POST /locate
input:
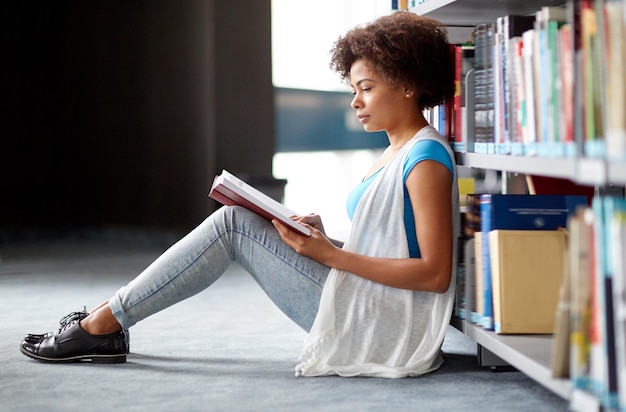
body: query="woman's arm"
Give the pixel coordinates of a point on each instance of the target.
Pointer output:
(429, 186)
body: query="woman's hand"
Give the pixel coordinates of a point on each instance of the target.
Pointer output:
(312, 220)
(317, 246)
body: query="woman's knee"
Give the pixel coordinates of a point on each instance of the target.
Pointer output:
(236, 218)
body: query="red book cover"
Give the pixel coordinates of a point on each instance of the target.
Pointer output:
(458, 95)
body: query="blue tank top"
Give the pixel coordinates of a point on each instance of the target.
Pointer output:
(426, 149)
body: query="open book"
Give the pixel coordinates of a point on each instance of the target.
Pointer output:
(230, 191)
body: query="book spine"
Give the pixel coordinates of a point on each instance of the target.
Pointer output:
(539, 51)
(566, 59)
(464, 61)
(513, 27)
(609, 398)
(580, 226)
(458, 97)
(598, 330)
(518, 97)
(483, 89)
(471, 226)
(593, 144)
(499, 130)
(615, 21)
(479, 308)
(554, 82)
(545, 88)
(487, 320)
(618, 245)
(530, 127)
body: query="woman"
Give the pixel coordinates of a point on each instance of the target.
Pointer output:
(378, 306)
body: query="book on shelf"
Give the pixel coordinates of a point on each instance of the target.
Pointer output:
(547, 23)
(529, 60)
(615, 68)
(527, 269)
(517, 96)
(518, 212)
(466, 187)
(566, 92)
(507, 28)
(483, 89)
(464, 62)
(554, 89)
(591, 105)
(560, 345)
(470, 223)
(617, 242)
(468, 290)
(603, 356)
(580, 240)
(232, 191)
(574, 17)
(466, 293)
(479, 308)
(597, 359)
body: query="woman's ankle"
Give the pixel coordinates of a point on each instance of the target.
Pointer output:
(101, 322)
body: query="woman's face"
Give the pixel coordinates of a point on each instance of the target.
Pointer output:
(378, 106)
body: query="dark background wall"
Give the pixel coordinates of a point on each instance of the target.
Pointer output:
(119, 113)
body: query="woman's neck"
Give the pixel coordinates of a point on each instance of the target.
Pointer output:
(398, 138)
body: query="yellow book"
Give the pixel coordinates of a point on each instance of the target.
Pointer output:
(467, 185)
(527, 270)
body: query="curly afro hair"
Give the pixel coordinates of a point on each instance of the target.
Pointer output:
(405, 49)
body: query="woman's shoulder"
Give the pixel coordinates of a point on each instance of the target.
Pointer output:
(429, 141)
(430, 145)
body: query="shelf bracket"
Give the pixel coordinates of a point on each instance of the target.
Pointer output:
(486, 358)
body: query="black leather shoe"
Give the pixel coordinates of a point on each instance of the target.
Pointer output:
(67, 319)
(72, 344)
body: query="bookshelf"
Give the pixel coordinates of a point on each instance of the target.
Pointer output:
(587, 171)
(529, 354)
(472, 12)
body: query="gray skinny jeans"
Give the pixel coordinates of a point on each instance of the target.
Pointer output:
(232, 234)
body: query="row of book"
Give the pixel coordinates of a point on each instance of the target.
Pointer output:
(552, 264)
(548, 84)
(589, 346)
(500, 233)
(405, 4)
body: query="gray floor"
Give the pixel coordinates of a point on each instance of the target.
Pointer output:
(227, 349)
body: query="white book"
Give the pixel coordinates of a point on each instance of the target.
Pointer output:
(530, 129)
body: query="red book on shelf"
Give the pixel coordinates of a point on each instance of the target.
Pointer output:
(464, 62)
(232, 191)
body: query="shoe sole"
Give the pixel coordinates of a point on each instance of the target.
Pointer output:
(107, 359)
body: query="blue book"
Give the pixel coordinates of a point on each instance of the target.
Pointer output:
(519, 212)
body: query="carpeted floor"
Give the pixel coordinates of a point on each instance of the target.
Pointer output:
(226, 349)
